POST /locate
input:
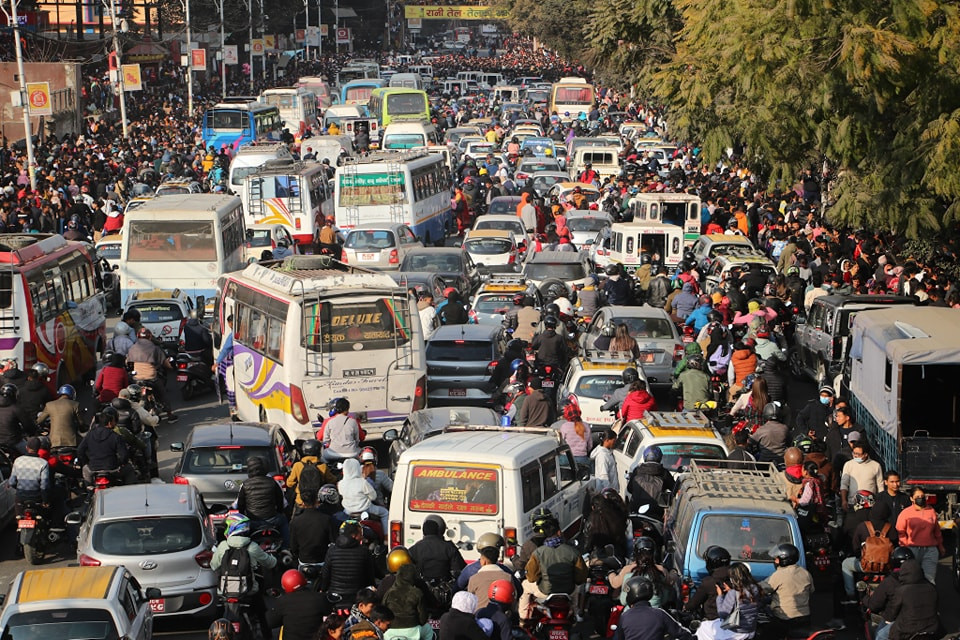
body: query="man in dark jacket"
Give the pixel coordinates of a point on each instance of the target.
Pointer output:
(648, 482)
(197, 339)
(640, 621)
(310, 532)
(913, 607)
(891, 501)
(459, 622)
(814, 418)
(550, 346)
(34, 394)
(718, 563)
(882, 596)
(299, 613)
(349, 566)
(436, 557)
(261, 499)
(537, 410)
(102, 449)
(12, 421)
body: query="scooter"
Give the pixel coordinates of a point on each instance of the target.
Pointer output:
(599, 599)
(194, 375)
(553, 618)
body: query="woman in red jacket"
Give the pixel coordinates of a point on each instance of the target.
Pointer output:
(637, 402)
(112, 378)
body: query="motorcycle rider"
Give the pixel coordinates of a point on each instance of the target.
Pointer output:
(772, 437)
(490, 570)
(349, 565)
(436, 557)
(486, 540)
(790, 587)
(31, 476)
(148, 360)
(555, 567)
(34, 394)
(629, 376)
(588, 297)
(112, 377)
(537, 409)
(64, 416)
(197, 339)
(640, 621)
(527, 320)
(341, 433)
(882, 596)
(718, 565)
(261, 499)
(311, 532)
(645, 566)
(127, 423)
(378, 478)
(134, 393)
(309, 454)
(238, 536)
(617, 288)
(357, 495)
(102, 449)
(299, 611)
(500, 598)
(12, 421)
(504, 368)
(551, 347)
(694, 383)
(648, 482)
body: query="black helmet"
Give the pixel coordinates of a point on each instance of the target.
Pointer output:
(545, 523)
(696, 362)
(644, 258)
(638, 590)
(310, 448)
(714, 316)
(716, 556)
(771, 411)
(107, 415)
(786, 553)
(612, 269)
(255, 466)
(120, 404)
(689, 256)
(644, 544)
(9, 392)
(899, 556)
(550, 322)
(136, 392)
(630, 375)
(516, 344)
(552, 309)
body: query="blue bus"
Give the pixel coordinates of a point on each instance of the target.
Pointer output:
(237, 124)
(358, 91)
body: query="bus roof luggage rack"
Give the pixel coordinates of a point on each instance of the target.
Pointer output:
(676, 420)
(506, 278)
(308, 265)
(387, 156)
(25, 247)
(736, 479)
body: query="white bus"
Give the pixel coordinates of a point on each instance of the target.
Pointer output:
(412, 188)
(298, 108)
(181, 242)
(296, 195)
(679, 209)
(311, 329)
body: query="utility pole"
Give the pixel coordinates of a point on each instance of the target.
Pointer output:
(119, 71)
(306, 29)
(250, 41)
(223, 46)
(24, 98)
(189, 64)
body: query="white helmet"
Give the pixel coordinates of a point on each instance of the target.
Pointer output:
(566, 307)
(121, 328)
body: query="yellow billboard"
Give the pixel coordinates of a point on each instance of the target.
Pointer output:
(434, 12)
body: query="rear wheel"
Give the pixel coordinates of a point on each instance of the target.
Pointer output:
(31, 554)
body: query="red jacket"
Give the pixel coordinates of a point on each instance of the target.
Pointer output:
(636, 405)
(110, 381)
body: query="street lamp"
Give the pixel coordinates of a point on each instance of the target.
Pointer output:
(24, 98)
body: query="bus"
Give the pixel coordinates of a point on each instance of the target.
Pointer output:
(357, 71)
(393, 103)
(296, 195)
(679, 209)
(310, 329)
(408, 187)
(182, 242)
(52, 305)
(570, 97)
(358, 91)
(298, 108)
(236, 124)
(320, 89)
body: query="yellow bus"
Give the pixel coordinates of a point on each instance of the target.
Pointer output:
(387, 104)
(570, 97)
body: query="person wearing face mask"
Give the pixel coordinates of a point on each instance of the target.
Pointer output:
(919, 529)
(860, 474)
(814, 417)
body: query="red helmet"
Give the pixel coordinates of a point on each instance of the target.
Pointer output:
(448, 291)
(292, 580)
(502, 591)
(369, 454)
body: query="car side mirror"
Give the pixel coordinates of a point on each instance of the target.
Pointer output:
(176, 446)
(390, 435)
(153, 593)
(583, 472)
(73, 518)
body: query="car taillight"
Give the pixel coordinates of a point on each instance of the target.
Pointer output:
(396, 533)
(420, 394)
(510, 538)
(296, 224)
(102, 482)
(203, 558)
(513, 257)
(601, 252)
(522, 176)
(343, 256)
(180, 480)
(677, 352)
(394, 257)
(492, 366)
(298, 408)
(685, 591)
(87, 561)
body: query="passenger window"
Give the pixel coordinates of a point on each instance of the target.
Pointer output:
(633, 446)
(568, 467)
(128, 602)
(549, 465)
(530, 486)
(620, 444)
(828, 319)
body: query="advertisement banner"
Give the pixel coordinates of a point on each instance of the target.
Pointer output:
(300, 35)
(414, 24)
(198, 59)
(38, 93)
(343, 35)
(257, 46)
(230, 54)
(324, 30)
(269, 42)
(313, 36)
(434, 12)
(132, 79)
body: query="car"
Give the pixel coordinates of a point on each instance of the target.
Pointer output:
(426, 423)
(103, 603)
(540, 147)
(584, 225)
(453, 135)
(504, 222)
(178, 187)
(265, 237)
(213, 457)
(379, 245)
(421, 281)
(460, 360)
(495, 297)
(164, 312)
(564, 191)
(163, 535)
(555, 273)
(108, 248)
(501, 205)
(452, 263)
(136, 203)
(528, 167)
(543, 181)
(681, 435)
(600, 250)
(477, 149)
(733, 264)
(657, 337)
(708, 247)
(466, 140)
(590, 381)
(493, 251)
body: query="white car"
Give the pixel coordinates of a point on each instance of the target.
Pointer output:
(503, 222)
(266, 237)
(584, 224)
(163, 311)
(495, 250)
(591, 380)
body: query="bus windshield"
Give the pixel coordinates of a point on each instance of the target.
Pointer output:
(280, 100)
(404, 141)
(399, 104)
(227, 119)
(353, 326)
(574, 95)
(171, 241)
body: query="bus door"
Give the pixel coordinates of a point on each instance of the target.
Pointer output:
(653, 242)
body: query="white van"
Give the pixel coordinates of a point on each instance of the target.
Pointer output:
(629, 240)
(604, 160)
(457, 86)
(338, 112)
(486, 479)
(407, 80)
(400, 136)
(330, 147)
(250, 158)
(507, 93)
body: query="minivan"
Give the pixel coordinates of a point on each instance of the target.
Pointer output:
(408, 80)
(250, 158)
(604, 161)
(483, 479)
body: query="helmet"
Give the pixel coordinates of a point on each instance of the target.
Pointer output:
(369, 454)
(715, 316)
(696, 362)
(793, 271)
(10, 392)
(552, 309)
(67, 390)
(771, 411)
(803, 442)
(792, 456)
(609, 329)
(292, 580)
(630, 375)
(544, 522)
(676, 284)
(42, 370)
(282, 243)
(863, 500)
(438, 520)
(644, 258)
(653, 454)
(716, 556)
(398, 557)
(107, 415)
(517, 363)
(448, 291)
(136, 392)
(516, 344)
(786, 553)
(502, 591)
(638, 590)
(899, 556)
(644, 544)
(310, 448)
(220, 629)
(237, 525)
(328, 493)
(550, 322)
(612, 269)
(490, 540)
(611, 494)
(564, 306)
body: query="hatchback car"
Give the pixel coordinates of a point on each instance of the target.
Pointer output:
(379, 246)
(585, 224)
(261, 237)
(590, 382)
(543, 181)
(163, 535)
(504, 222)
(656, 335)
(734, 265)
(425, 423)
(527, 168)
(454, 265)
(108, 248)
(178, 188)
(493, 251)
(163, 311)
(495, 297)
(460, 360)
(501, 205)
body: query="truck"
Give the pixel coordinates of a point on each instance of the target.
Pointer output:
(903, 372)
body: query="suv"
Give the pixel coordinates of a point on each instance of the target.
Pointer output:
(460, 360)
(708, 247)
(178, 187)
(164, 312)
(495, 297)
(822, 341)
(590, 381)
(555, 273)
(741, 507)
(735, 262)
(427, 423)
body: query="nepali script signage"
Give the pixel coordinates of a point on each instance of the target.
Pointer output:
(429, 12)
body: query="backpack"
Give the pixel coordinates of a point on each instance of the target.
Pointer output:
(311, 479)
(876, 550)
(236, 572)
(645, 489)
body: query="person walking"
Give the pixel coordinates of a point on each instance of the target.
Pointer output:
(919, 529)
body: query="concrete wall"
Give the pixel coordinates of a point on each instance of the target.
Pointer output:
(66, 83)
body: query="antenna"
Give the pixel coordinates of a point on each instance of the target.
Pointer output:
(146, 497)
(231, 431)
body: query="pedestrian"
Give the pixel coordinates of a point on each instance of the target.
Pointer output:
(919, 529)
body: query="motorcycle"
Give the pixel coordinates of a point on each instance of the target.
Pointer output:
(246, 624)
(598, 600)
(553, 617)
(817, 547)
(106, 479)
(35, 531)
(550, 376)
(194, 375)
(270, 540)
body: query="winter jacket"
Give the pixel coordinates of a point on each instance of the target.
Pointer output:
(299, 613)
(659, 290)
(260, 498)
(537, 411)
(293, 480)
(744, 362)
(706, 593)
(771, 439)
(258, 557)
(551, 348)
(458, 625)
(913, 607)
(64, 415)
(695, 385)
(110, 381)
(636, 405)
(436, 558)
(790, 588)
(644, 622)
(102, 450)
(34, 394)
(12, 425)
(348, 568)
(749, 609)
(556, 569)
(776, 383)
(356, 493)
(698, 317)
(882, 596)
(647, 483)
(685, 302)
(406, 600)
(310, 534)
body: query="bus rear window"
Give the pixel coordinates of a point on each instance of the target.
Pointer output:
(355, 326)
(573, 95)
(174, 241)
(406, 104)
(446, 488)
(360, 94)
(371, 189)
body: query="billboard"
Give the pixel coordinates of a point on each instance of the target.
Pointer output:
(434, 12)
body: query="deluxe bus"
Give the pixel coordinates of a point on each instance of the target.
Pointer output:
(357, 71)
(357, 92)
(235, 125)
(311, 329)
(52, 305)
(570, 97)
(296, 195)
(184, 242)
(412, 188)
(298, 108)
(394, 103)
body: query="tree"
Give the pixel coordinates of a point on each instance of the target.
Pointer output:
(559, 24)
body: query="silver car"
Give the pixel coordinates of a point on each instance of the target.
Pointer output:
(460, 359)
(162, 534)
(379, 245)
(425, 423)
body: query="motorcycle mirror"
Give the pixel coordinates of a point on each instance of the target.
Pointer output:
(176, 446)
(73, 518)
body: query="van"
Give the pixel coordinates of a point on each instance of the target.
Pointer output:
(250, 158)
(483, 479)
(399, 136)
(425, 71)
(336, 113)
(506, 93)
(455, 87)
(630, 240)
(330, 147)
(604, 160)
(408, 80)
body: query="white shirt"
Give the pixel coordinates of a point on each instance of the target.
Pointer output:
(428, 321)
(605, 469)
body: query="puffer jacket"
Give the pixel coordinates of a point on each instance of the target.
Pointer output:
(34, 394)
(406, 600)
(744, 362)
(685, 302)
(348, 568)
(260, 498)
(913, 607)
(636, 405)
(110, 381)
(437, 558)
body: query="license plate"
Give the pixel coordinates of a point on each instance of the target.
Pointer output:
(548, 384)
(369, 257)
(599, 589)
(181, 377)
(27, 524)
(559, 634)
(457, 393)
(158, 605)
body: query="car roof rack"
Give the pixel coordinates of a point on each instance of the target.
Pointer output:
(540, 431)
(505, 278)
(737, 479)
(676, 420)
(599, 356)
